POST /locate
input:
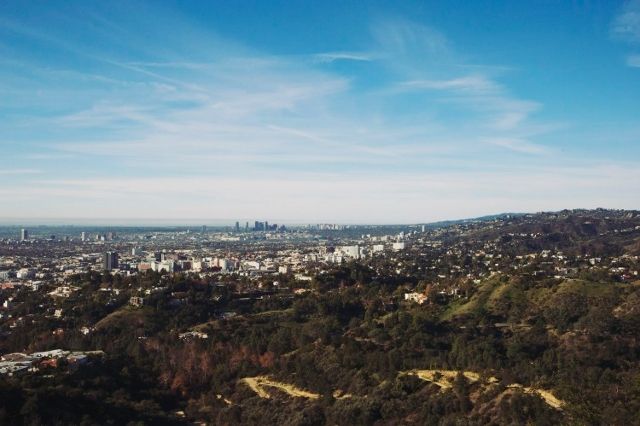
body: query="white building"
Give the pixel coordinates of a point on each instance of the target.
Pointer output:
(26, 273)
(250, 264)
(351, 251)
(418, 298)
(398, 246)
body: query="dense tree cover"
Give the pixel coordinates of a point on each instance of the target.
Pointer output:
(350, 339)
(111, 391)
(577, 338)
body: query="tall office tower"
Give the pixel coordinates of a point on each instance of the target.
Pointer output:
(110, 261)
(237, 226)
(83, 236)
(204, 229)
(423, 228)
(266, 225)
(246, 227)
(24, 235)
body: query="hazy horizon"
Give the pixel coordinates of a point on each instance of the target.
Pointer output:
(125, 222)
(158, 222)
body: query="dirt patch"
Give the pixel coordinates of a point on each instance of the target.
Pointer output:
(445, 378)
(259, 383)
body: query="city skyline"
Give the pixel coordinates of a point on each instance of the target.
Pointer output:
(177, 112)
(81, 225)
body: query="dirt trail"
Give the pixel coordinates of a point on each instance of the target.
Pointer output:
(257, 384)
(444, 379)
(548, 397)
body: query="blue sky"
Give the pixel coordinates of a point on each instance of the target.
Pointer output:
(305, 111)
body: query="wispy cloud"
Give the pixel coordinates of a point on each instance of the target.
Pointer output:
(342, 56)
(484, 95)
(187, 65)
(519, 145)
(633, 61)
(230, 131)
(475, 84)
(426, 62)
(401, 37)
(19, 171)
(626, 25)
(48, 156)
(242, 99)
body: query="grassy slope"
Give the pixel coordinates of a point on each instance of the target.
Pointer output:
(487, 292)
(492, 291)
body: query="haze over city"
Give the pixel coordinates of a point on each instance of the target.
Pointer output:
(173, 112)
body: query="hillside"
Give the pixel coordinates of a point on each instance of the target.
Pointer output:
(531, 319)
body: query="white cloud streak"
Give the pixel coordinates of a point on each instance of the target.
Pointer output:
(7, 172)
(474, 84)
(329, 57)
(519, 145)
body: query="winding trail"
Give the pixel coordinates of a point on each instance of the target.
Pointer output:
(444, 379)
(257, 384)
